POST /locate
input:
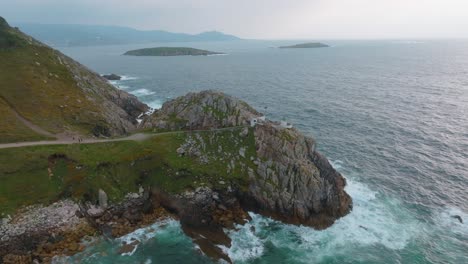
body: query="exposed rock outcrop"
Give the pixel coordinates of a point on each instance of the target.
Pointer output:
(39, 233)
(294, 182)
(118, 108)
(203, 110)
(290, 181)
(112, 77)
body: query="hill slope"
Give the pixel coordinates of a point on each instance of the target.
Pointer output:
(42, 86)
(83, 35)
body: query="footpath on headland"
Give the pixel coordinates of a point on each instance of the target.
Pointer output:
(134, 137)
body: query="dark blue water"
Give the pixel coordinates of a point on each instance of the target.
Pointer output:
(391, 115)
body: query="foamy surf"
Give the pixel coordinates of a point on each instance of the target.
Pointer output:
(127, 78)
(375, 221)
(142, 92)
(156, 104)
(142, 235)
(452, 219)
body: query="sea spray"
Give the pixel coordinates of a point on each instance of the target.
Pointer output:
(377, 221)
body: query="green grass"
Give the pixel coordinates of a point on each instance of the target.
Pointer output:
(43, 174)
(42, 90)
(12, 129)
(37, 83)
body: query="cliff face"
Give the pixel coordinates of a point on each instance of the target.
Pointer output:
(50, 90)
(293, 182)
(288, 180)
(204, 110)
(118, 108)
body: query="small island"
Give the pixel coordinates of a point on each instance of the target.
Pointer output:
(170, 51)
(306, 46)
(112, 77)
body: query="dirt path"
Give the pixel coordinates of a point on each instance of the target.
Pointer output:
(134, 137)
(26, 122)
(32, 126)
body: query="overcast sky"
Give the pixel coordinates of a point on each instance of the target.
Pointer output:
(259, 19)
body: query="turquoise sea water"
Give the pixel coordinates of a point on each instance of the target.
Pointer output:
(392, 116)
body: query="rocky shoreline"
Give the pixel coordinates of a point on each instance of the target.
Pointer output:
(266, 167)
(37, 234)
(216, 158)
(41, 234)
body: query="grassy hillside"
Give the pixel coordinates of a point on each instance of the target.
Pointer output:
(55, 93)
(43, 174)
(42, 90)
(12, 129)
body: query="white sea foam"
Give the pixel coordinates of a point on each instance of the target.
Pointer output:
(142, 92)
(145, 234)
(127, 78)
(118, 85)
(374, 220)
(245, 244)
(445, 220)
(156, 104)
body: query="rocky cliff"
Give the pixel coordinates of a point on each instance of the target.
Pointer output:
(288, 180)
(293, 182)
(204, 110)
(42, 87)
(208, 174)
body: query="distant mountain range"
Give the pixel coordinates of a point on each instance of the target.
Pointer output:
(88, 35)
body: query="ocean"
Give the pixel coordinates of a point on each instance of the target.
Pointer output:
(391, 116)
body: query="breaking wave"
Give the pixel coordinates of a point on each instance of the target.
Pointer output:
(375, 221)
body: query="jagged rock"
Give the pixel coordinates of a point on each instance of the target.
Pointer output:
(95, 211)
(112, 77)
(242, 152)
(290, 181)
(102, 199)
(204, 110)
(306, 189)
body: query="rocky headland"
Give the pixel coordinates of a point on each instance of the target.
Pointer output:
(267, 168)
(206, 159)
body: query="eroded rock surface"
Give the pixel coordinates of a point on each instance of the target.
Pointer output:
(293, 182)
(203, 110)
(289, 180)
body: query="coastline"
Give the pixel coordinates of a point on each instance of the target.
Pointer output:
(37, 234)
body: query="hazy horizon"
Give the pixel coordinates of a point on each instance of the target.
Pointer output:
(261, 19)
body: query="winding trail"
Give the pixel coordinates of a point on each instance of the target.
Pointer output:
(134, 137)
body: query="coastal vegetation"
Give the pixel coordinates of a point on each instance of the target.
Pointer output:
(206, 158)
(170, 51)
(45, 174)
(48, 89)
(309, 45)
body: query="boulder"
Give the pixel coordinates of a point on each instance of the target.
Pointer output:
(102, 199)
